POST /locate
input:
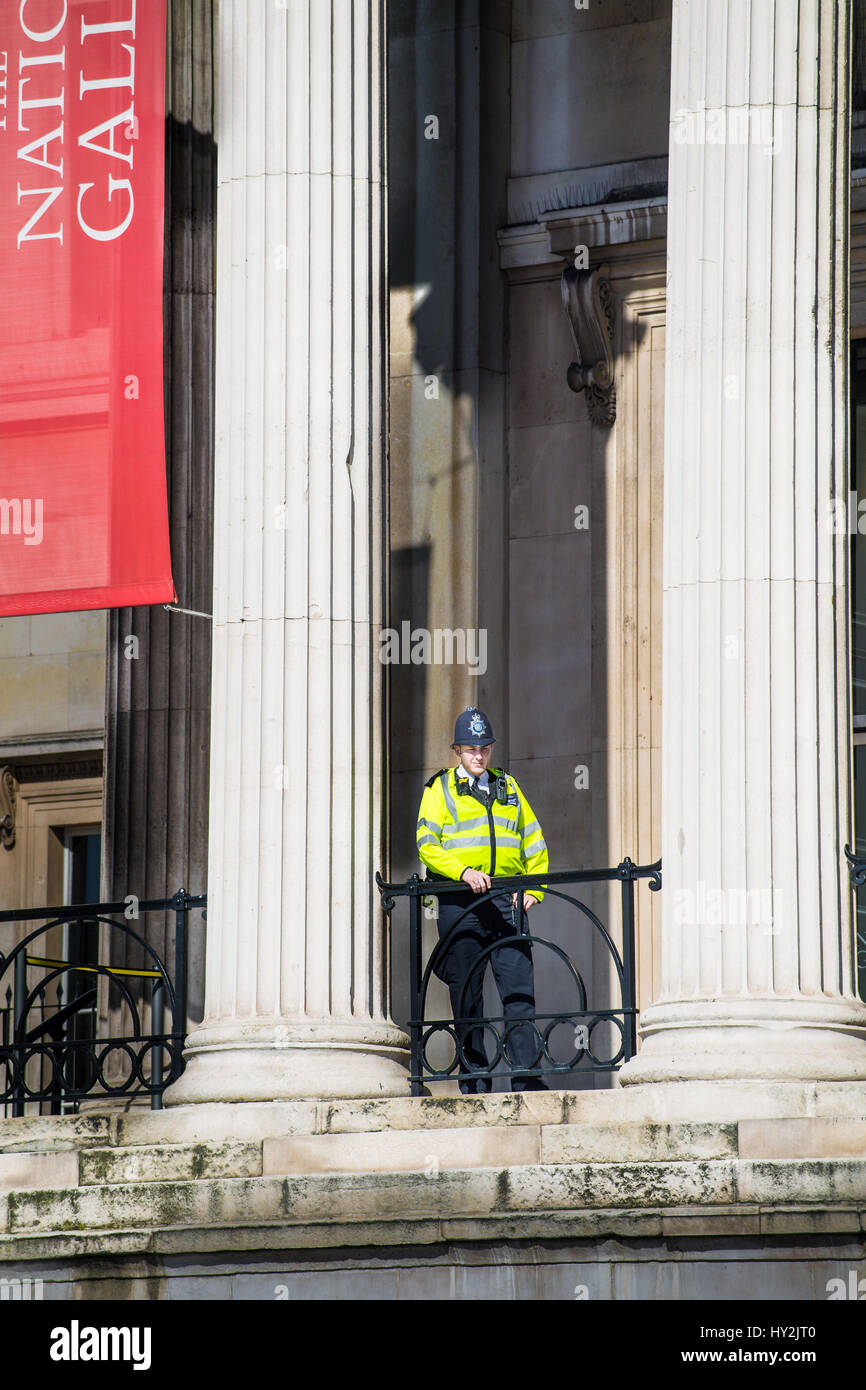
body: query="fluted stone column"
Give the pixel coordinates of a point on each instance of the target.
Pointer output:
(758, 946)
(295, 1001)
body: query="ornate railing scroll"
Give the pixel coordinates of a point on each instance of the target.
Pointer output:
(584, 1019)
(41, 1058)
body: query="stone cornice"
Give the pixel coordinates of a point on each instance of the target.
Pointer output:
(610, 231)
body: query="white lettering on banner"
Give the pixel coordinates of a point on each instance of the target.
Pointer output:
(41, 60)
(41, 35)
(127, 119)
(111, 232)
(100, 84)
(39, 103)
(26, 233)
(33, 103)
(42, 144)
(112, 26)
(4, 68)
(22, 516)
(37, 151)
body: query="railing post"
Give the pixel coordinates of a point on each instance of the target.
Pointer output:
(157, 1032)
(19, 1032)
(179, 1016)
(416, 1023)
(629, 988)
(7, 1019)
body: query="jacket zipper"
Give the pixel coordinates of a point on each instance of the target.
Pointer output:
(488, 806)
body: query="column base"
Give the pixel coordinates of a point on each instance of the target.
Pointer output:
(751, 1040)
(258, 1061)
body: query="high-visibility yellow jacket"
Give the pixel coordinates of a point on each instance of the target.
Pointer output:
(459, 831)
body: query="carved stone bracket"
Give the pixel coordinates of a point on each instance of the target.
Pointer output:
(8, 787)
(588, 303)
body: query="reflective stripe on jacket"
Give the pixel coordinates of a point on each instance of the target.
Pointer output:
(458, 832)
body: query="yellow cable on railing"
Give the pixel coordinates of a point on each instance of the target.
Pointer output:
(96, 970)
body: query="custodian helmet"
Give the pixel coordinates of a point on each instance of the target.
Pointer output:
(473, 728)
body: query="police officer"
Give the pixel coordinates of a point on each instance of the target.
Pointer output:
(474, 822)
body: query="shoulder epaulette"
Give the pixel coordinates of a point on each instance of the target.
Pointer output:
(443, 772)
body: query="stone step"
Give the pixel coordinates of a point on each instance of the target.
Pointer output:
(349, 1198)
(421, 1149)
(802, 1137)
(400, 1151)
(680, 1102)
(493, 1146)
(636, 1142)
(170, 1162)
(49, 1133)
(22, 1169)
(725, 1102)
(197, 1124)
(359, 1197)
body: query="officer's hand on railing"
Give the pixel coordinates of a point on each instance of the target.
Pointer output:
(528, 901)
(478, 882)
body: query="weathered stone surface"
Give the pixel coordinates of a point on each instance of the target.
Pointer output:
(165, 1163)
(276, 1119)
(638, 1185)
(364, 1196)
(686, 1103)
(636, 1142)
(218, 1123)
(720, 1221)
(718, 1101)
(812, 1137)
(23, 1170)
(614, 1239)
(393, 1174)
(403, 1150)
(824, 1181)
(48, 1132)
(511, 1108)
(555, 1225)
(655, 1270)
(227, 1200)
(710, 1279)
(802, 1223)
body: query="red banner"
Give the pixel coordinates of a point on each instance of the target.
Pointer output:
(83, 515)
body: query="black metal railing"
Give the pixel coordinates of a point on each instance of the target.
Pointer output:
(46, 1055)
(857, 872)
(620, 1014)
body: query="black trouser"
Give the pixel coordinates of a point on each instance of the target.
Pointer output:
(512, 970)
